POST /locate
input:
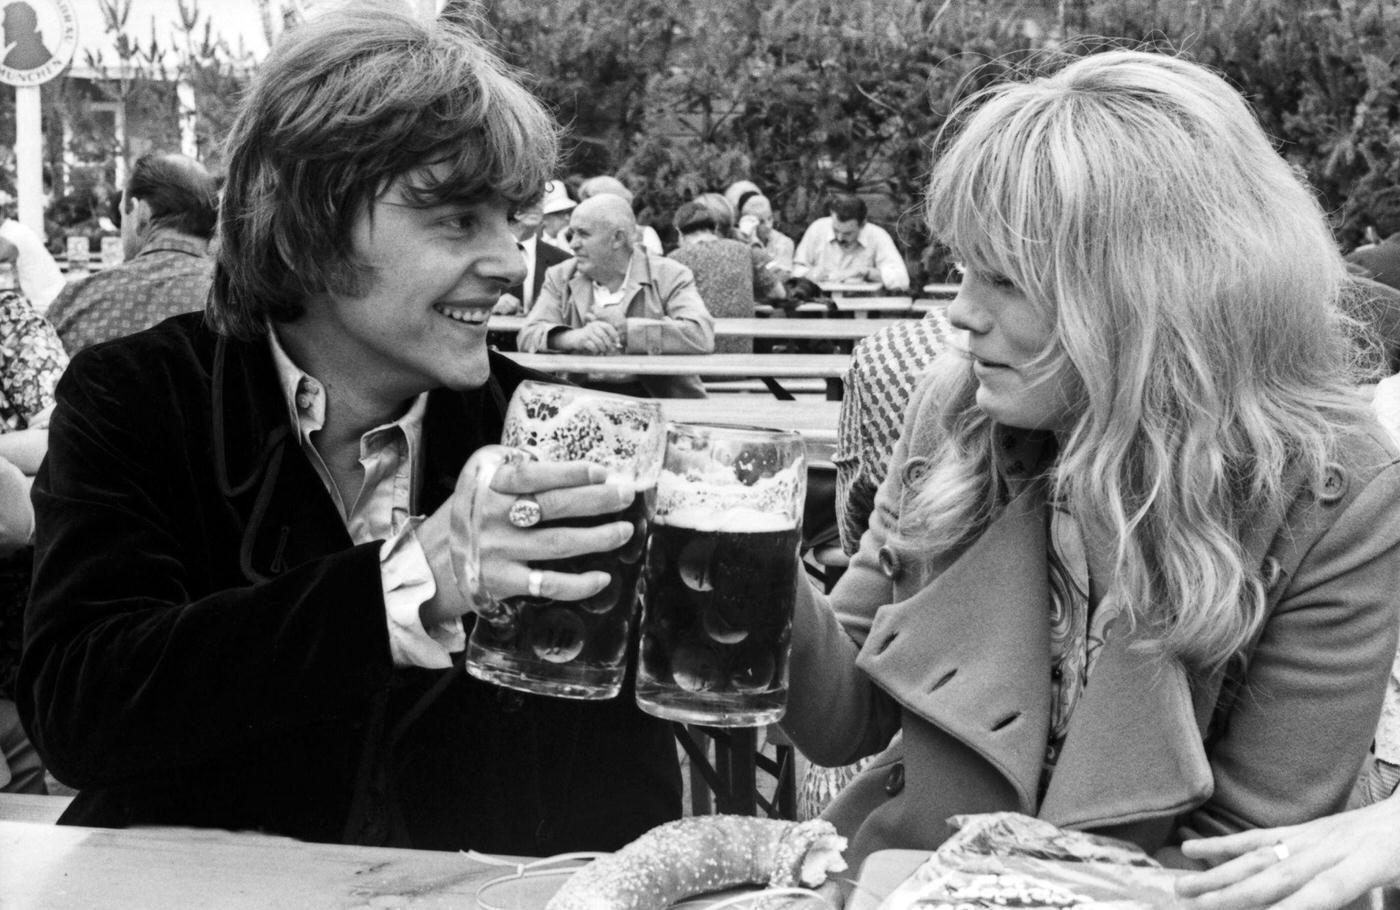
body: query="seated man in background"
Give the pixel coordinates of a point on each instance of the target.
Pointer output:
(614, 298)
(607, 185)
(539, 256)
(254, 577)
(167, 216)
(844, 247)
(556, 206)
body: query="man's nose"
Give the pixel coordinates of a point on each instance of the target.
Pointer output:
(504, 259)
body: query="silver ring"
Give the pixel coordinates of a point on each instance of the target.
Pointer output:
(535, 585)
(524, 512)
(1281, 851)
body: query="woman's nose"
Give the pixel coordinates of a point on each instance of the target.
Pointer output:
(966, 314)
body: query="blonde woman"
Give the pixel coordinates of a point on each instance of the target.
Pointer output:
(1133, 567)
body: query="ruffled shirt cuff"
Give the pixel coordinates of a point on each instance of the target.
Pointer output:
(408, 584)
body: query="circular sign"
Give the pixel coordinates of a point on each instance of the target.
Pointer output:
(38, 41)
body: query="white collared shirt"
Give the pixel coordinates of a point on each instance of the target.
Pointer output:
(527, 287)
(819, 253)
(382, 509)
(603, 297)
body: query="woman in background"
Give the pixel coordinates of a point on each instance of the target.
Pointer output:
(730, 275)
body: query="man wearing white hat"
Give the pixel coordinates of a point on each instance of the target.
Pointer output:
(556, 207)
(526, 223)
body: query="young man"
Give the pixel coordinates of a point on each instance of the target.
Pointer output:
(251, 529)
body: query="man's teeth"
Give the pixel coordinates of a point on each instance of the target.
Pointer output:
(471, 317)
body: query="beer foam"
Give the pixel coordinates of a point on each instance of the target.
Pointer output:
(741, 520)
(612, 432)
(704, 500)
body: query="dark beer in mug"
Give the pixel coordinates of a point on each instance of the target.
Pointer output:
(576, 649)
(721, 575)
(718, 624)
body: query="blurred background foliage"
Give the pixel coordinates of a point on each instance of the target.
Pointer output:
(812, 97)
(805, 97)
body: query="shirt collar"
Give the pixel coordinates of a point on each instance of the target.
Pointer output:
(860, 237)
(629, 280)
(305, 398)
(166, 239)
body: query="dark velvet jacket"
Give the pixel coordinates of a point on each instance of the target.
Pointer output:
(205, 645)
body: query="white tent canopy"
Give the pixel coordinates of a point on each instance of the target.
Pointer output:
(245, 27)
(242, 25)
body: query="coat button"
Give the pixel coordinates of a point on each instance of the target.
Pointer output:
(889, 562)
(1272, 571)
(914, 471)
(894, 781)
(1333, 485)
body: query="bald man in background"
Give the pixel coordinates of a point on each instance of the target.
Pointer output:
(616, 298)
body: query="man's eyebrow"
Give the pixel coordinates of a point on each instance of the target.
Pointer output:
(437, 204)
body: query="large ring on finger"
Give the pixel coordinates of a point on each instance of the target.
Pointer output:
(1281, 851)
(534, 583)
(524, 512)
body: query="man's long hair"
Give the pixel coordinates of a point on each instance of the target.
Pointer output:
(345, 105)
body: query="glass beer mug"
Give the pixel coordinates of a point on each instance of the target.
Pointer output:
(721, 576)
(576, 649)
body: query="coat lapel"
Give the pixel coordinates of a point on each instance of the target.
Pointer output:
(1133, 748)
(580, 302)
(1134, 744)
(986, 680)
(289, 517)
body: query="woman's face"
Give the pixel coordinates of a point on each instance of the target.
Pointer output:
(1006, 334)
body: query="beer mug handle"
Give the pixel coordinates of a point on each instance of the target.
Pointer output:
(481, 469)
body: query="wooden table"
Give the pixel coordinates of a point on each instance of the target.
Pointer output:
(28, 807)
(729, 366)
(814, 418)
(861, 307)
(769, 367)
(801, 329)
(760, 327)
(44, 866)
(840, 288)
(61, 867)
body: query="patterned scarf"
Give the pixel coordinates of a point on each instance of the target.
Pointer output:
(1077, 632)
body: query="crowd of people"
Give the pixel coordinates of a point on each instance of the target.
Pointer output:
(1124, 537)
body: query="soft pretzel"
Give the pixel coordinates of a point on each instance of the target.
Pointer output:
(701, 854)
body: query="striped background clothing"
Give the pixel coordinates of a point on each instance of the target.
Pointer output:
(884, 369)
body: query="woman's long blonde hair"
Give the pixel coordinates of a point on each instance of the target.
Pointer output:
(1194, 284)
